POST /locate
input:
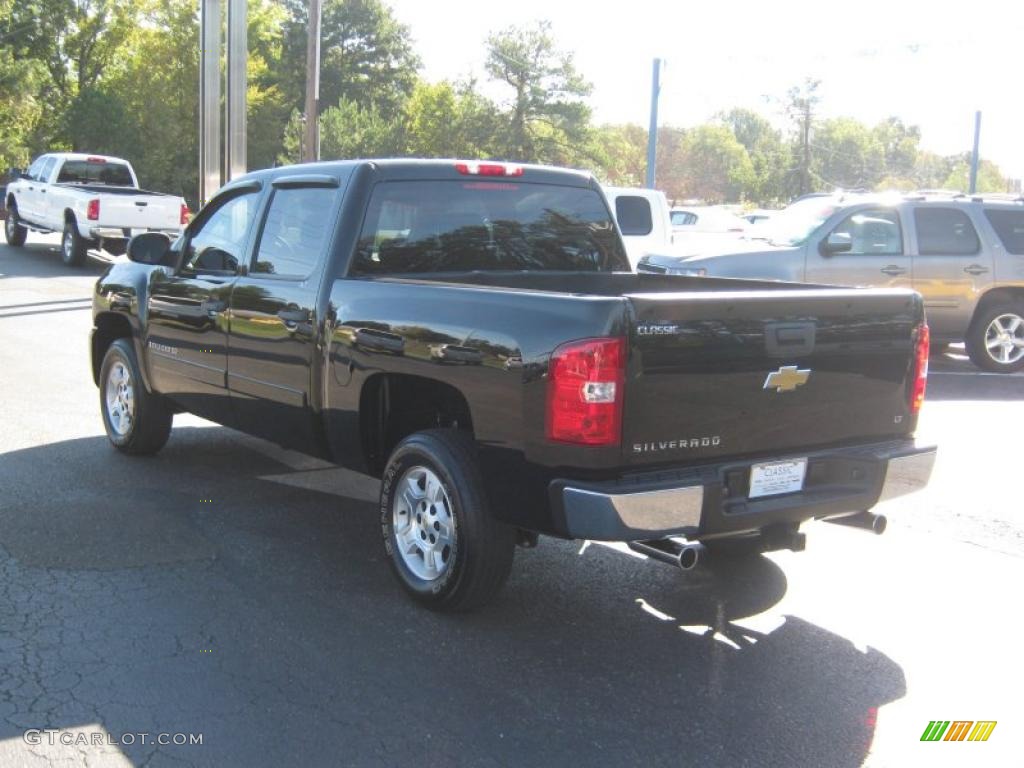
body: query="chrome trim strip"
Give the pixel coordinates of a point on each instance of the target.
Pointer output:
(906, 474)
(665, 509)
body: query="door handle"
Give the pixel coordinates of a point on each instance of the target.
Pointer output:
(975, 269)
(293, 316)
(894, 270)
(381, 341)
(213, 307)
(43, 191)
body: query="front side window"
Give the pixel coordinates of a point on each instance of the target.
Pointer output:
(34, 169)
(634, 215)
(945, 232)
(874, 232)
(47, 169)
(457, 226)
(219, 244)
(1009, 225)
(296, 230)
(683, 218)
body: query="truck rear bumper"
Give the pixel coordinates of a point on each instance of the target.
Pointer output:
(711, 501)
(125, 233)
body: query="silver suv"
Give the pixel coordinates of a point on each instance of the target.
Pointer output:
(964, 255)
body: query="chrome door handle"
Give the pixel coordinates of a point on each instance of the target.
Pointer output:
(213, 307)
(975, 269)
(892, 269)
(292, 317)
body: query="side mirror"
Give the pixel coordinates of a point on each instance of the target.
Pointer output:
(13, 174)
(837, 242)
(149, 247)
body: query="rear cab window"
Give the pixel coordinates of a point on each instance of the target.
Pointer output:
(95, 171)
(456, 226)
(634, 215)
(1009, 226)
(945, 232)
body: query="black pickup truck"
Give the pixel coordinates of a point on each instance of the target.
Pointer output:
(470, 333)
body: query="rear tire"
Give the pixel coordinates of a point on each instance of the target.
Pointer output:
(445, 548)
(137, 422)
(14, 230)
(995, 341)
(73, 246)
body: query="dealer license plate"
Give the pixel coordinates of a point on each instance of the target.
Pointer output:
(775, 477)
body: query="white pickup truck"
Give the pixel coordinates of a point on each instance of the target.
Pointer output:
(94, 200)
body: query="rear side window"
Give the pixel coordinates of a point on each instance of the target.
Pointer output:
(1009, 225)
(457, 226)
(634, 215)
(945, 232)
(297, 228)
(683, 218)
(95, 172)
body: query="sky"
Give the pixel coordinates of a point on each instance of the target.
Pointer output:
(931, 63)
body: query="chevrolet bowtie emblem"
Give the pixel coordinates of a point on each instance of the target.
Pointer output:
(787, 378)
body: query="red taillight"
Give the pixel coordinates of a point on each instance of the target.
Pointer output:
(586, 380)
(920, 368)
(100, 160)
(92, 210)
(489, 169)
(185, 214)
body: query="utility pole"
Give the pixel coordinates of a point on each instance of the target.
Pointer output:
(235, 103)
(311, 144)
(652, 133)
(974, 154)
(210, 177)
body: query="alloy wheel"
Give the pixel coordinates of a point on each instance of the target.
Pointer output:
(120, 399)
(424, 524)
(1004, 338)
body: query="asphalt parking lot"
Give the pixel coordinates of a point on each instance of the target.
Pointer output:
(235, 591)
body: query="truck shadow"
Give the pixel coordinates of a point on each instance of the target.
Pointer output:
(41, 260)
(185, 594)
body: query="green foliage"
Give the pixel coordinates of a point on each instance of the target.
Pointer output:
(548, 117)
(716, 166)
(847, 155)
(121, 77)
(989, 177)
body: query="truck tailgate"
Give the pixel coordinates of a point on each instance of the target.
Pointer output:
(140, 211)
(750, 372)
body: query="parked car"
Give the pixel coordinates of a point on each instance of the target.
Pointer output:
(93, 200)
(702, 228)
(644, 220)
(317, 306)
(965, 256)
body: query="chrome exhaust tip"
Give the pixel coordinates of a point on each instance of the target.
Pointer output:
(867, 521)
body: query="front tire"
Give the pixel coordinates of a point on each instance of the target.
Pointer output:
(73, 246)
(137, 422)
(14, 230)
(445, 548)
(995, 341)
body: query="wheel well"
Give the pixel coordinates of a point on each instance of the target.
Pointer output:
(393, 406)
(10, 202)
(69, 216)
(997, 296)
(109, 328)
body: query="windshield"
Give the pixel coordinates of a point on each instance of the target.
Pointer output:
(95, 172)
(795, 223)
(456, 226)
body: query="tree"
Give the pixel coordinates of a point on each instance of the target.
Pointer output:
(19, 109)
(76, 41)
(716, 167)
(931, 170)
(366, 56)
(900, 145)
(767, 152)
(801, 107)
(990, 178)
(347, 131)
(847, 155)
(548, 118)
(449, 120)
(624, 154)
